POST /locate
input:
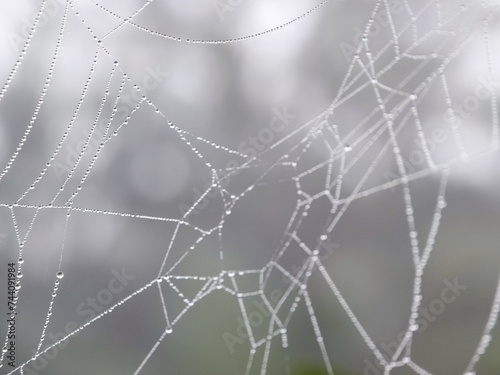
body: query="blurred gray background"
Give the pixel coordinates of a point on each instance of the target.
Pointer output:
(231, 95)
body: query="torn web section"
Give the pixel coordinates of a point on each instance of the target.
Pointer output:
(409, 213)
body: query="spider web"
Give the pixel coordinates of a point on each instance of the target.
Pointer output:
(338, 162)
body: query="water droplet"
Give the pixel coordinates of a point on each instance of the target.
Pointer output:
(347, 148)
(20, 261)
(324, 237)
(60, 275)
(442, 203)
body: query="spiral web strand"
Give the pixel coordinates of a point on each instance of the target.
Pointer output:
(344, 149)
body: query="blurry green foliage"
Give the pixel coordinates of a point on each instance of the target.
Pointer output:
(315, 369)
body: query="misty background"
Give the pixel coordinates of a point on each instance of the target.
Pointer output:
(227, 100)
